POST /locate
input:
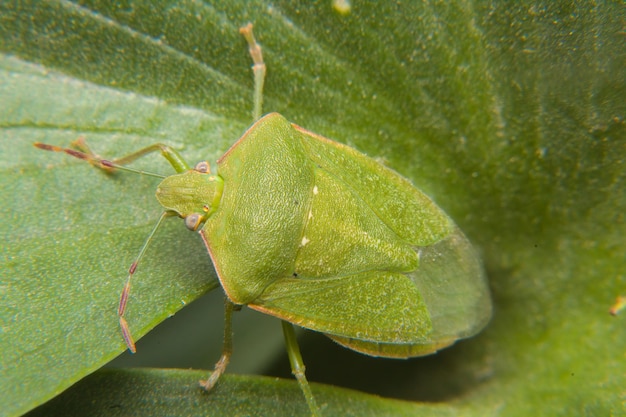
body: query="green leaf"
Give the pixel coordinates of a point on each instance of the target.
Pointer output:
(157, 392)
(510, 115)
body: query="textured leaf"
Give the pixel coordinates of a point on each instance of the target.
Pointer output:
(510, 115)
(151, 392)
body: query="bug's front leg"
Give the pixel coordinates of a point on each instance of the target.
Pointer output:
(82, 151)
(258, 69)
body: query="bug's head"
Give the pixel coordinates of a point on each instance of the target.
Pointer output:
(193, 195)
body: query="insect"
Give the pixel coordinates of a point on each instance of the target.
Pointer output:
(321, 236)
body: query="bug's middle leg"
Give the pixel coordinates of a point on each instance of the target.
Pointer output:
(227, 349)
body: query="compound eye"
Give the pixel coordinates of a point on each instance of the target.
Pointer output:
(203, 167)
(193, 221)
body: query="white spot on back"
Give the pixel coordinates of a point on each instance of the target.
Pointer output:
(315, 190)
(304, 241)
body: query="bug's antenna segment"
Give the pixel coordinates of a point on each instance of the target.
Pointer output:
(121, 310)
(258, 68)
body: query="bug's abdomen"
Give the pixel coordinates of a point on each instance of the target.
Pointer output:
(343, 236)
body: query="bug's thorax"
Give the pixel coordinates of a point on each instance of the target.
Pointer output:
(193, 194)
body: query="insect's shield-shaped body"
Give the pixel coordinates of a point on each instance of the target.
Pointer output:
(320, 235)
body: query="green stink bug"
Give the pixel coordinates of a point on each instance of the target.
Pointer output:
(321, 236)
